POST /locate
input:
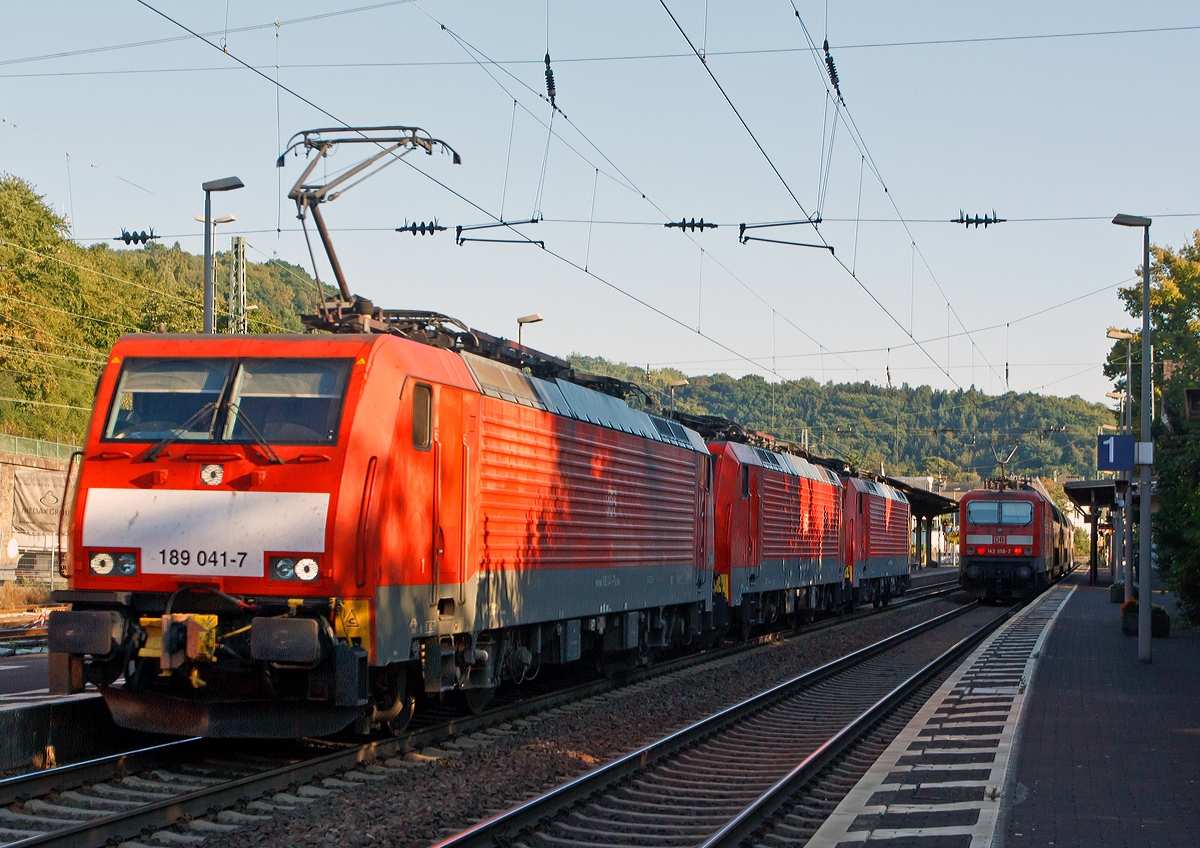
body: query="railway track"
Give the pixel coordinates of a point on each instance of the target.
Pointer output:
(713, 782)
(180, 784)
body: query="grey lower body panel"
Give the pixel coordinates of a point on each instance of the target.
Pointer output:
(876, 567)
(781, 574)
(155, 712)
(509, 598)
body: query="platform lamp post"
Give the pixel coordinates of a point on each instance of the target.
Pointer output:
(226, 184)
(1127, 429)
(210, 257)
(521, 322)
(1144, 454)
(678, 384)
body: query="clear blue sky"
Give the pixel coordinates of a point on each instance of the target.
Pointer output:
(1036, 128)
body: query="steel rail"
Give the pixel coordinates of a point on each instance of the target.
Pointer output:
(748, 825)
(75, 775)
(503, 827)
(167, 812)
(161, 814)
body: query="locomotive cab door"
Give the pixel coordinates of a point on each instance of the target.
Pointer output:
(435, 492)
(754, 524)
(448, 493)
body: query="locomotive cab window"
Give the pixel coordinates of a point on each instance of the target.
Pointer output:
(165, 398)
(287, 401)
(296, 401)
(1000, 512)
(422, 422)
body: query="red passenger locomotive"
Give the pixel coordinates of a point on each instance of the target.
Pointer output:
(1014, 541)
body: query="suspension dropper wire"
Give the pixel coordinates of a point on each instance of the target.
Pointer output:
(800, 205)
(741, 356)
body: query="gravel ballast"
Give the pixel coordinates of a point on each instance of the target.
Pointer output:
(420, 800)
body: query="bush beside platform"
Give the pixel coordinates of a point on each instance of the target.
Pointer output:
(1160, 620)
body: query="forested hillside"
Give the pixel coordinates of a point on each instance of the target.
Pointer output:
(909, 431)
(65, 305)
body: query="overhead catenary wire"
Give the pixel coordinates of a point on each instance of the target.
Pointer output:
(935, 42)
(470, 202)
(932, 339)
(480, 58)
(861, 143)
(429, 176)
(155, 41)
(799, 205)
(125, 180)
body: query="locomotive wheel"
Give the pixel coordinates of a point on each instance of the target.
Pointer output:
(611, 665)
(745, 628)
(477, 700)
(399, 723)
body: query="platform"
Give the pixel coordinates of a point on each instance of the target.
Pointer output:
(939, 783)
(1109, 751)
(1050, 734)
(928, 576)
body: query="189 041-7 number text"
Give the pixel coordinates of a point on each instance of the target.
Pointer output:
(211, 559)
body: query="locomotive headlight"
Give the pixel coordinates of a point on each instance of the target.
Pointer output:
(126, 564)
(306, 569)
(1023, 572)
(970, 552)
(283, 569)
(101, 563)
(1029, 552)
(972, 571)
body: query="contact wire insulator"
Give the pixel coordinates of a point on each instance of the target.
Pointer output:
(833, 74)
(549, 81)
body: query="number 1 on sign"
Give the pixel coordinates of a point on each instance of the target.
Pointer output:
(1111, 450)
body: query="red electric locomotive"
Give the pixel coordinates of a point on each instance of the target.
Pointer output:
(778, 528)
(795, 535)
(877, 526)
(283, 536)
(1014, 541)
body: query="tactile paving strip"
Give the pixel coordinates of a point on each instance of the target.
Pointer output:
(939, 784)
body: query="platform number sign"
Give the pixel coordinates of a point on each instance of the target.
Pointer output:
(1115, 453)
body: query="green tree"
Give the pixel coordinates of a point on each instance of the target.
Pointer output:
(64, 306)
(1175, 331)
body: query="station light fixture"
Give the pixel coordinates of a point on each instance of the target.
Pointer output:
(224, 184)
(522, 321)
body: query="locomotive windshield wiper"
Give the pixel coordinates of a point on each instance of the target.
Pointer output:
(179, 432)
(236, 413)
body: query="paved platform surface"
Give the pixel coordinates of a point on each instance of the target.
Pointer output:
(926, 576)
(1109, 749)
(940, 782)
(23, 674)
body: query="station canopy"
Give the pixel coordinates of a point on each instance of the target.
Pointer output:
(1092, 495)
(923, 503)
